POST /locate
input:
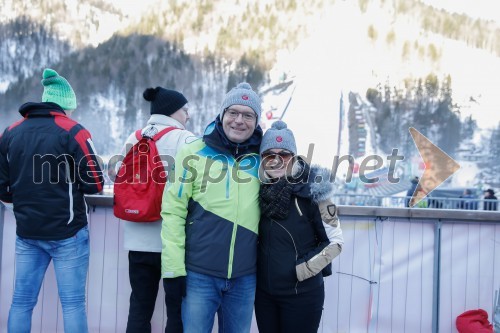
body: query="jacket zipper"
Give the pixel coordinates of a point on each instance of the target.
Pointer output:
(268, 255)
(70, 191)
(235, 225)
(296, 252)
(227, 183)
(297, 206)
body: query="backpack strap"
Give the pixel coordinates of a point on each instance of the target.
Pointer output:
(138, 133)
(163, 132)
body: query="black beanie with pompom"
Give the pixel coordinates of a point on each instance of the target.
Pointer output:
(164, 101)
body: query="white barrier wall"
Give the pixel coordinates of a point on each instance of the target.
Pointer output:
(382, 281)
(470, 270)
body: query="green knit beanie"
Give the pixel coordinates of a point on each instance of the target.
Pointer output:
(57, 89)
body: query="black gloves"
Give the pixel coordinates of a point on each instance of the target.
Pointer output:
(175, 288)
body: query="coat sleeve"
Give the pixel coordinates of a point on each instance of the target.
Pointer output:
(330, 241)
(5, 194)
(174, 210)
(88, 166)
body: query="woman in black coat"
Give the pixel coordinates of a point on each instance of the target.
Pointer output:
(299, 236)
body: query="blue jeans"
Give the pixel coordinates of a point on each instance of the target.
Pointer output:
(206, 295)
(71, 263)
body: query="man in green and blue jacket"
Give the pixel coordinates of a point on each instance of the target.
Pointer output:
(210, 214)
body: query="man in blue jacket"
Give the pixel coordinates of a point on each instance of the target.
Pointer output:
(47, 164)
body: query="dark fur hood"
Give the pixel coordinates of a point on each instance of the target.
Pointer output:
(314, 181)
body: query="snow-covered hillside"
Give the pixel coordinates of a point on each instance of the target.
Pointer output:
(322, 48)
(340, 56)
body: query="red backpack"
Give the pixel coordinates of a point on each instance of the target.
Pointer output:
(474, 321)
(140, 181)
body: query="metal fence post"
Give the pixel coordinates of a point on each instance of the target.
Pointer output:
(436, 276)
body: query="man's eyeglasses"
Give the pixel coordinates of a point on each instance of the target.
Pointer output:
(247, 116)
(284, 154)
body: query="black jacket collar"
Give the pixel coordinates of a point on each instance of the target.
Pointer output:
(40, 109)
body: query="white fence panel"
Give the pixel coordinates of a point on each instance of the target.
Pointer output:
(382, 282)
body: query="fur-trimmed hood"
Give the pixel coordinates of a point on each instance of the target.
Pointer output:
(316, 182)
(320, 183)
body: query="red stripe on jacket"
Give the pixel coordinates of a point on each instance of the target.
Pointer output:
(81, 137)
(63, 121)
(16, 124)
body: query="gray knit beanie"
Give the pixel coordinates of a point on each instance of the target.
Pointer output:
(278, 137)
(242, 94)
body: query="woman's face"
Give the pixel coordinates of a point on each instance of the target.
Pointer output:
(276, 162)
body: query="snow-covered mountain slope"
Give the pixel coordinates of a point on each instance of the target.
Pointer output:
(341, 55)
(326, 47)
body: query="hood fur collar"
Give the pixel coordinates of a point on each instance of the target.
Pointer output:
(314, 182)
(320, 183)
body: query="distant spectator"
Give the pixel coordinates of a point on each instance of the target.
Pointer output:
(434, 203)
(418, 199)
(490, 202)
(470, 204)
(410, 192)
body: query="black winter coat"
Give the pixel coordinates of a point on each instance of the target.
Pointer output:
(47, 164)
(286, 243)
